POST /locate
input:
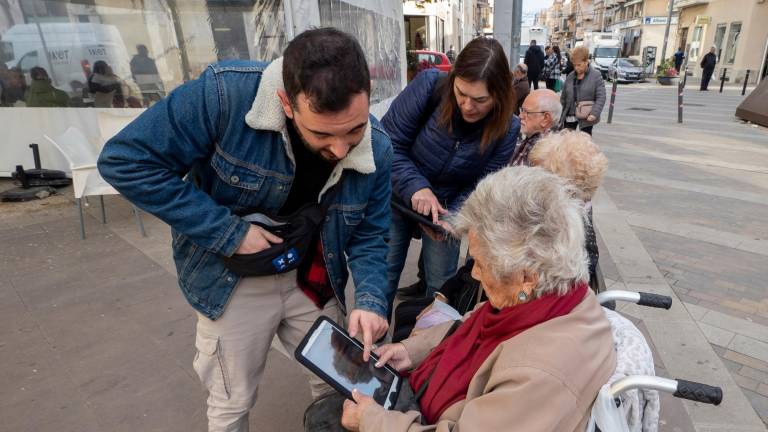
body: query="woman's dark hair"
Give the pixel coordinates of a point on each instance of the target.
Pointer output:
(100, 67)
(38, 74)
(328, 66)
(556, 49)
(483, 59)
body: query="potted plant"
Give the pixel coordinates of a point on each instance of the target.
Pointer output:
(666, 73)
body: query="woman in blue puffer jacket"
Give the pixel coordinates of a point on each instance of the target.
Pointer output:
(448, 131)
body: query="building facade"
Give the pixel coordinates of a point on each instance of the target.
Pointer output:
(641, 24)
(435, 26)
(738, 29)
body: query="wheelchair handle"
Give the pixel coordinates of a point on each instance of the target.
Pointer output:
(698, 392)
(640, 298)
(655, 300)
(679, 388)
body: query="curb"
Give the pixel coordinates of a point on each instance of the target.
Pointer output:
(681, 345)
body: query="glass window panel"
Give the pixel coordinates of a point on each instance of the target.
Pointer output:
(379, 37)
(733, 42)
(129, 53)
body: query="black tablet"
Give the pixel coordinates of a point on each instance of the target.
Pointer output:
(414, 215)
(337, 358)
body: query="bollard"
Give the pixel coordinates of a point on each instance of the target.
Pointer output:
(722, 81)
(680, 88)
(613, 97)
(685, 75)
(746, 80)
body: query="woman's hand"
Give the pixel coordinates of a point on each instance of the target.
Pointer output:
(395, 354)
(591, 118)
(425, 202)
(350, 417)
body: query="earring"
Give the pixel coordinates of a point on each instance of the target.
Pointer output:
(522, 297)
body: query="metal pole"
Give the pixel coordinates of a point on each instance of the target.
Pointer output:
(746, 79)
(666, 31)
(613, 95)
(517, 25)
(722, 81)
(680, 88)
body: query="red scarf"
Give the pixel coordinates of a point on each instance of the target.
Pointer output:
(454, 362)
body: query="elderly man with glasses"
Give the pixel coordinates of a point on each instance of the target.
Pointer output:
(537, 119)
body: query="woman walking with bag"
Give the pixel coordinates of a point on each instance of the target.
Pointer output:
(448, 131)
(583, 95)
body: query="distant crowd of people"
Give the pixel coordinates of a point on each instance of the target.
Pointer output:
(102, 87)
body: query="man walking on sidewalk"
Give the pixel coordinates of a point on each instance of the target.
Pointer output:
(290, 141)
(708, 64)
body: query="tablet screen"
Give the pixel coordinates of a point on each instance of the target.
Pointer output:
(337, 356)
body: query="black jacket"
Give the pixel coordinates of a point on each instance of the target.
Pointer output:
(534, 59)
(709, 61)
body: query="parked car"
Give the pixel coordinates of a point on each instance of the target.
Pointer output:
(628, 70)
(431, 59)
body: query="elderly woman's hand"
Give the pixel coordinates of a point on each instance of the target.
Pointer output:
(591, 118)
(353, 411)
(395, 354)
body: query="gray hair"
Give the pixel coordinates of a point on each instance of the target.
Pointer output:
(522, 68)
(551, 104)
(526, 218)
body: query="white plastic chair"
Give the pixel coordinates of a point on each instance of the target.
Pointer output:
(86, 180)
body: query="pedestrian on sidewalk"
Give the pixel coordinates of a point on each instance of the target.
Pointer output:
(552, 66)
(539, 114)
(583, 95)
(448, 131)
(708, 65)
(679, 56)
(287, 141)
(521, 85)
(534, 59)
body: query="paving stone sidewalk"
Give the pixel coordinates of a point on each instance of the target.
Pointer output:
(695, 196)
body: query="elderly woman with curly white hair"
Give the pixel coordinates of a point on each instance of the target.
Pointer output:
(531, 358)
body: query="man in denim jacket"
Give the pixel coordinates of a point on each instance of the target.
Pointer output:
(270, 137)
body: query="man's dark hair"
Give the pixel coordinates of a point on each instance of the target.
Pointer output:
(328, 66)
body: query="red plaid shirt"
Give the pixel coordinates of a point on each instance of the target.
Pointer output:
(312, 276)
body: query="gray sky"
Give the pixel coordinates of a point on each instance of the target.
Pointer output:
(530, 7)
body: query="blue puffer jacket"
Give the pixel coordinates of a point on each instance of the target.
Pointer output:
(428, 156)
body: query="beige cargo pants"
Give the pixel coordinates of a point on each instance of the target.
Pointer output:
(232, 351)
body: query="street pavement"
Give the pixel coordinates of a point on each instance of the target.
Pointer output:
(692, 197)
(95, 335)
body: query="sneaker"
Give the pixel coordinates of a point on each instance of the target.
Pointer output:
(418, 289)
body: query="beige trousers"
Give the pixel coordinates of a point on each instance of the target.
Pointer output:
(232, 351)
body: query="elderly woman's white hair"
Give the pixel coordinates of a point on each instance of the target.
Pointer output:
(527, 219)
(574, 156)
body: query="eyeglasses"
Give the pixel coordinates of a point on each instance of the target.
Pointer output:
(526, 112)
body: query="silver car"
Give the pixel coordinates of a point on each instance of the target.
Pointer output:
(628, 70)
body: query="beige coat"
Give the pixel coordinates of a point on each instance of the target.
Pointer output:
(544, 379)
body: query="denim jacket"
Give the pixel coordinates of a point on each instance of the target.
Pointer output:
(217, 146)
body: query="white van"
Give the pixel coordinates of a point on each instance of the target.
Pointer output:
(73, 48)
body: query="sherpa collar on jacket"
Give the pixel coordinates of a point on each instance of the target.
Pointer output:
(267, 113)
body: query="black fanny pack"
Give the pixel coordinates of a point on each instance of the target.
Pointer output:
(297, 231)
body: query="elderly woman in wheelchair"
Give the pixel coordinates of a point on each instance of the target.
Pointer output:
(535, 355)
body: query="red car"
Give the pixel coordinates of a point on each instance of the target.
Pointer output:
(432, 59)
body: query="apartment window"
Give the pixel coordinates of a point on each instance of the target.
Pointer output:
(733, 42)
(719, 36)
